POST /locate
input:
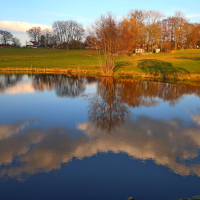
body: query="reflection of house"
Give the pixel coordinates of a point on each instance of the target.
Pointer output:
(32, 44)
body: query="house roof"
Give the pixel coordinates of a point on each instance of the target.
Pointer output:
(33, 42)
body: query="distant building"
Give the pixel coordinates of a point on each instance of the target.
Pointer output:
(139, 51)
(157, 50)
(32, 44)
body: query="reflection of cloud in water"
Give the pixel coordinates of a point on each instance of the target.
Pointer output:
(91, 85)
(168, 143)
(8, 130)
(20, 88)
(196, 119)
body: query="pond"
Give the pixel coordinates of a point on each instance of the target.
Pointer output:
(73, 137)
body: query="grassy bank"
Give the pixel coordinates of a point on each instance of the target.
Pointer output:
(183, 64)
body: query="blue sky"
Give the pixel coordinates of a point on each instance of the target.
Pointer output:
(46, 12)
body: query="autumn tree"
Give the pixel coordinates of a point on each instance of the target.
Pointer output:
(177, 23)
(153, 28)
(130, 34)
(191, 35)
(139, 16)
(105, 38)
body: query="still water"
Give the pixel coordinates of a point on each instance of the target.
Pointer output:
(65, 137)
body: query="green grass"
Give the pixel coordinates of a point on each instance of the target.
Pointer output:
(48, 58)
(178, 61)
(188, 60)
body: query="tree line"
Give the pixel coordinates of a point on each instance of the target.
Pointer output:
(140, 29)
(146, 29)
(6, 37)
(64, 34)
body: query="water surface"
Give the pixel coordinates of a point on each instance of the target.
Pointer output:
(65, 137)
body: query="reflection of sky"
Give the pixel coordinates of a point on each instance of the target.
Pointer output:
(182, 109)
(41, 132)
(166, 142)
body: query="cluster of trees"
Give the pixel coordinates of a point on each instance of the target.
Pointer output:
(148, 30)
(64, 34)
(145, 29)
(7, 39)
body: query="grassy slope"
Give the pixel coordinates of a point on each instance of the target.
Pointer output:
(184, 59)
(54, 58)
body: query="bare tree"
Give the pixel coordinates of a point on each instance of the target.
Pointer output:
(177, 28)
(35, 33)
(153, 28)
(16, 42)
(5, 37)
(68, 32)
(106, 34)
(47, 35)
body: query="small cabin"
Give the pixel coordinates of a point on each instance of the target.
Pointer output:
(157, 50)
(139, 51)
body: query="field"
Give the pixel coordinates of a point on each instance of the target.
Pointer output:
(183, 61)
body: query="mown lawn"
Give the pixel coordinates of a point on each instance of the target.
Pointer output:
(48, 58)
(183, 60)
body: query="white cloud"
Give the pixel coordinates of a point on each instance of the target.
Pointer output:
(193, 15)
(20, 26)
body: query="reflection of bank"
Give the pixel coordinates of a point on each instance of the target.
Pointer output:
(167, 143)
(131, 92)
(9, 81)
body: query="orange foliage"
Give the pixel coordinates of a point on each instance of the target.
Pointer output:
(130, 34)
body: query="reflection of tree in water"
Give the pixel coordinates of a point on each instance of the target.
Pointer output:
(7, 81)
(106, 109)
(44, 82)
(143, 93)
(65, 86)
(137, 93)
(132, 92)
(70, 86)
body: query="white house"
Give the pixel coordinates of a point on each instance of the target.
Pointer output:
(32, 44)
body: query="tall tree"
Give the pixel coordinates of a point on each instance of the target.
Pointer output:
(35, 33)
(178, 22)
(106, 34)
(47, 35)
(153, 28)
(139, 16)
(5, 37)
(16, 42)
(130, 34)
(69, 31)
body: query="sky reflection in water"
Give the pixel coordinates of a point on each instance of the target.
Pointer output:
(50, 120)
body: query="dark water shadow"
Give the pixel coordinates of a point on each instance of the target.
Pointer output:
(156, 67)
